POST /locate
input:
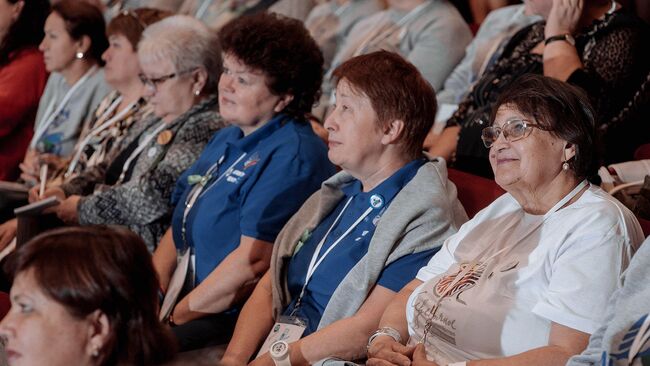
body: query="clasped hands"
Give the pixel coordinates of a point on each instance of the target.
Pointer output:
(66, 210)
(385, 351)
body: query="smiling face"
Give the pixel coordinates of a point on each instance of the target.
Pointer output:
(355, 140)
(122, 66)
(58, 47)
(40, 331)
(530, 162)
(245, 99)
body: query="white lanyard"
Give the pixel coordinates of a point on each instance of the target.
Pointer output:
(315, 261)
(199, 188)
(470, 266)
(95, 131)
(377, 35)
(51, 113)
(341, 9)
(202, 8)
(139, 149)
(641, 338)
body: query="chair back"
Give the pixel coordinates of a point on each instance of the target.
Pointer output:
(474, 192)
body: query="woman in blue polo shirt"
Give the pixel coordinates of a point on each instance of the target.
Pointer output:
(249, 180)
(354, 244)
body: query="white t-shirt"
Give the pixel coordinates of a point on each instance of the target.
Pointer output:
(561, 267)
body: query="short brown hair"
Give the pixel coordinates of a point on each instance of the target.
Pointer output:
(131, 23)
(108, 269)
(397, 91)
(283, 50)
(562, 109)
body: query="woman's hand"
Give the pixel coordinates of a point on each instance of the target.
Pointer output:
(29, 167)
(67, 210)
(384, 350)
(49, 192)
(8, 232)
(420, 357)
(564, 17)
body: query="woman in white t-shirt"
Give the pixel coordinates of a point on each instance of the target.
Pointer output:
(526, 281)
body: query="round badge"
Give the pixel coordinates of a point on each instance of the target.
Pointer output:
(164, 137)
(152, 152)
(376, 201)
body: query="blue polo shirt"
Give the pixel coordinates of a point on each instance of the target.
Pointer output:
(351, 249)
(261, 181)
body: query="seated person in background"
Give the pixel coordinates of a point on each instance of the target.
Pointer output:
(431, 34)
(353, 245)
(22, 79)
(330, 22)
(115, 115)
(622, 338)
(526, 281)
(95, 304)
(252, 176)
(72, 47)
(484, 49)
(181, 63)
(591, 44)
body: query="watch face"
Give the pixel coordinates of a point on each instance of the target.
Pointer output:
(279, 347)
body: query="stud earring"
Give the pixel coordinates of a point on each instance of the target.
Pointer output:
(95, 353)
(197, 92)
(79, 55)
(565, 166)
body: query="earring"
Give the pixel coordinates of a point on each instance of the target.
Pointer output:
(197, 92)
(565, 166)
(95, 353)
(79, 55)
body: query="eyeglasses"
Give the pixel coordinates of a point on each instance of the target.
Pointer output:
(513, 130)
(154, 83)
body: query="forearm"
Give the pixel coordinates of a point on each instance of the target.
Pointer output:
(164, 259)
(228, 284)
(445, 144)
(253, 325)
(395, 314)
(560, 60)
(543, 356)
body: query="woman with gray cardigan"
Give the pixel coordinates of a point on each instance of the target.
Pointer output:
(353, 245)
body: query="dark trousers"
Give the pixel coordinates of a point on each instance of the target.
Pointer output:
(204, 332)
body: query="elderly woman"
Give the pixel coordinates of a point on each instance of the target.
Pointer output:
(116, 114)
(528, 278)
(181, 64)
(252, 176)
(354, 244)
(22, 78)
(72, 47)
(94, 305)
(595, 45)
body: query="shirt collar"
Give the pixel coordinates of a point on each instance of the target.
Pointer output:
(248, 143)
(389, 188)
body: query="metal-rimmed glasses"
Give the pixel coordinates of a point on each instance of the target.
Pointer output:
(513, 130)
(153, 83)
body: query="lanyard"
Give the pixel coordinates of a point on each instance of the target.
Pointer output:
(202, 9)
(199, 188)
(479, 258)
(95, 131)
(139, 149)
(51, 113)
(379, 34)
(315, 262)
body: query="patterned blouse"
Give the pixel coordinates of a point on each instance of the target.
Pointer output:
(616, 62)
(140, 199)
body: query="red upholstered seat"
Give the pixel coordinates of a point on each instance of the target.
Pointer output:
(474, 192)
(643, 152)
(5, 304)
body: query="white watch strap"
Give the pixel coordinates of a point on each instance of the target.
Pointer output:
(464, 363)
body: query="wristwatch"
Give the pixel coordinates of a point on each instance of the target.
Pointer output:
(279, 352)
(561, 37)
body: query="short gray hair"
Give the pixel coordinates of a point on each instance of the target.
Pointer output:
(187, 43)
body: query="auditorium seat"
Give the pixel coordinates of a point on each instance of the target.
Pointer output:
(474, 192)
(5, 304)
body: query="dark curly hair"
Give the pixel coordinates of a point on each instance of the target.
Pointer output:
(283, 50)
(107, 269)
(27, 30)
(84, 19)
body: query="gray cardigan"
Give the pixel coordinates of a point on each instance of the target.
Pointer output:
(422, 215)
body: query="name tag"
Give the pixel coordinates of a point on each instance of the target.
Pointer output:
(287, 328)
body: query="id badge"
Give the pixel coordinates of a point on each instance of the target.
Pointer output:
(287, 328)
